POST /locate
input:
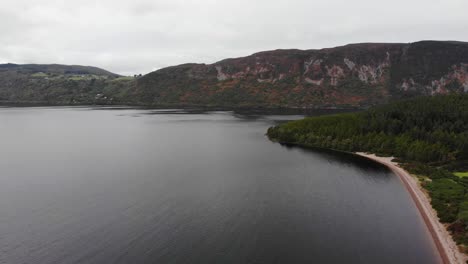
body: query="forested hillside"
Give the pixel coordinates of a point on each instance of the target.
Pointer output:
(429, 135)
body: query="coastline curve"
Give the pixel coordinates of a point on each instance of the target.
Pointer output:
(446, 246)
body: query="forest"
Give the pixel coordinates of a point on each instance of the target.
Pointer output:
(427, 135)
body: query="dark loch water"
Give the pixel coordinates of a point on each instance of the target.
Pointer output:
(81, 185)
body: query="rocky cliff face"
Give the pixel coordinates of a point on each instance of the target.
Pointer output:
(353, 75)
(356, 75)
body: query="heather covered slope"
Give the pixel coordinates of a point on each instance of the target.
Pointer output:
(356, 75)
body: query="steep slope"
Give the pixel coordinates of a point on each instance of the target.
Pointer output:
(353, 75)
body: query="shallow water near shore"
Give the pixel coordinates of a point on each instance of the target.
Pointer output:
(104, 185)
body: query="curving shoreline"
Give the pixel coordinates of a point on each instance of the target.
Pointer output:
(447, 248)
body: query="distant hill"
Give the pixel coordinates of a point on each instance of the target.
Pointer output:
(355, 75)
(55, 69)
(61, 84)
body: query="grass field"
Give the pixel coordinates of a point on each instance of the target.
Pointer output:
(461, 174)
(123, 78)
(83, 77)
(39, 74)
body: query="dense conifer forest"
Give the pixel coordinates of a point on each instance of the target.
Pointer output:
(428, 135)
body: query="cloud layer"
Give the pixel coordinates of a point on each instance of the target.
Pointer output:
(139, 36)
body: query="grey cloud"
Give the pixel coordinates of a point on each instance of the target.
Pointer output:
(142, 35)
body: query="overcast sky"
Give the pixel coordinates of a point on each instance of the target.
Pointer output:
(138, 36)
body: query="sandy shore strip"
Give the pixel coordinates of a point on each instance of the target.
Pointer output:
(447, 248)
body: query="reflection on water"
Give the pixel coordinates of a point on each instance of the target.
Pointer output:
(106, 185)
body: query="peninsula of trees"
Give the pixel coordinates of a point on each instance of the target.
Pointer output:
(428, 135)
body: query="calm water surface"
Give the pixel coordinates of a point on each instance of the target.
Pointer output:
(81, 185)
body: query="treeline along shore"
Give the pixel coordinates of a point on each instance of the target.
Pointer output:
(428, 136)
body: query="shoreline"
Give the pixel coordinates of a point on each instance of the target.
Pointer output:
(446, 246)
(186, 106)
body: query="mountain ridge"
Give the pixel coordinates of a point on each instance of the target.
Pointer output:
(353, 75)
(350, 76)
(56, 68)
